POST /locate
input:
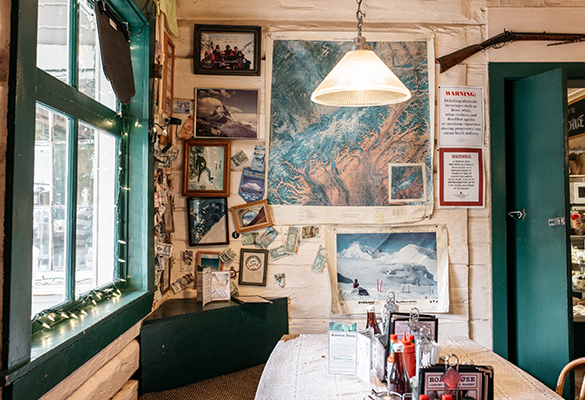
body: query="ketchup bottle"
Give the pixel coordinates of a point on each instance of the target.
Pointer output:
(371, 321)
(398, 381)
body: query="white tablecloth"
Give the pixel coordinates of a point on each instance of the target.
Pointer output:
(297, 369)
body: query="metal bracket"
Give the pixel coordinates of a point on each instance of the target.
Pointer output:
(556, 221)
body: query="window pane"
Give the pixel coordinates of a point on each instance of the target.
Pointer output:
(92, 80)
(53, 38)
(50, 206)
(97, 195)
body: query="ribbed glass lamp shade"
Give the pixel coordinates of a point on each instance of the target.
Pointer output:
(360, 79)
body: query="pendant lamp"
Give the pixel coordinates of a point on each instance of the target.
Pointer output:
(360, 79)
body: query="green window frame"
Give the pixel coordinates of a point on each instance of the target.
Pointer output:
(33, 364)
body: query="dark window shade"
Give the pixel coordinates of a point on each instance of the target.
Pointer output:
(115, 48)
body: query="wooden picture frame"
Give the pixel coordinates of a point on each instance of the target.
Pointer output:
(168, 96)
(252, 216)
(206, 168)
(253, 267)
(207, 221)
(212, 42)
(205, 258)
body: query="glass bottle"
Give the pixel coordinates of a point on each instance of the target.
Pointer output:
(398, 380)
(371, 320)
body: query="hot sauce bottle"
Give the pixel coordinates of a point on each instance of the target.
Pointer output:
(398, 381)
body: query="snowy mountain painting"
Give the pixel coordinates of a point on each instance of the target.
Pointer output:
(370, 264)
(222, 113)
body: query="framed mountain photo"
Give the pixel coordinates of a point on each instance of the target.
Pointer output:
(226, 114)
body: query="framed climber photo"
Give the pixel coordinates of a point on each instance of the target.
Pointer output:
(206, 168)
(227, 49)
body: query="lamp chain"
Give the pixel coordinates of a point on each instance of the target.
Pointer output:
(360, 17)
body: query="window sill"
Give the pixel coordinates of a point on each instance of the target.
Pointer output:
(57, 353)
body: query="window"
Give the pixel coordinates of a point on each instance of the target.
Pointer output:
(76, 161)
(76, 176)
(96, 192)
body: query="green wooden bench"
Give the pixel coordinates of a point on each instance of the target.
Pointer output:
(183, 342)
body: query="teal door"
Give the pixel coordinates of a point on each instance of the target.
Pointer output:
(539, 296)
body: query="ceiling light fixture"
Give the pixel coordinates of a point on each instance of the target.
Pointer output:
(360, 78)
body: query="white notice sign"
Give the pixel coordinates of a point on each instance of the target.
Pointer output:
(460, 116)
(461, 182)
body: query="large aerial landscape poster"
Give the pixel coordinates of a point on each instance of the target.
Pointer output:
(409, 261)
(342, 157)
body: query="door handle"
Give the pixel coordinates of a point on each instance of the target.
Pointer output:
(517, 215)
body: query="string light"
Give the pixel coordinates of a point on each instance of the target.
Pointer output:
(47, 319)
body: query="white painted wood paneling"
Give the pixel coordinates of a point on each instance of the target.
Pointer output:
(566, 19)
(128, 392)
(326, 12)
(83, 374)
(112, 377)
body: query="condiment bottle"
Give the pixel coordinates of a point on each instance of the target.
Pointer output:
(393, 340)
(409, 356)
(371, 320)
(398, 381)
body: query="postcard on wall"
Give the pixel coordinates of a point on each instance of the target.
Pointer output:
(461, 178)
(460, 116)
(366, 262)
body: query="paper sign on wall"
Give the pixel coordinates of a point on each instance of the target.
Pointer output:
(461, 178)
(460, 116)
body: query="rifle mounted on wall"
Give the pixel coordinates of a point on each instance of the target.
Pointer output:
(501, 39)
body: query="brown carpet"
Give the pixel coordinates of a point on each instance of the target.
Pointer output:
(239, 385)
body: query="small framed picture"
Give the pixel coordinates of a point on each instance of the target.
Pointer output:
(252, 216)
(206, 168)
(226, 114)
(406, 182)
(253, 266)
(210, 259)
(208, 221)
(227, 49)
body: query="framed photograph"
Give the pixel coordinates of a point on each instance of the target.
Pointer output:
(206, 168)
(168, 88)
(208, 221)
(252, 216)
(210, 259)
(253, 266)
(406, 182)
(168, 75)
(226, 114)
(227, 49)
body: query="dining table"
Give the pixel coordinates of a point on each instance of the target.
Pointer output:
(298, 369)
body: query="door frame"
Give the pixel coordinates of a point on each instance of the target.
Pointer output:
(498, 74)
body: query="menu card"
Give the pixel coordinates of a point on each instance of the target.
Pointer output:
(342, 343)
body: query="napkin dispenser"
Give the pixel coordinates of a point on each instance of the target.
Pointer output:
(477, 382)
